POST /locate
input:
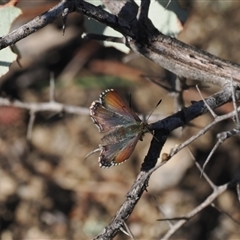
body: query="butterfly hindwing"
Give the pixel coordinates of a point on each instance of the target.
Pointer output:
(114, 154)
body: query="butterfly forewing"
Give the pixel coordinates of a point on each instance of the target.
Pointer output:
(104, 119)
(113, 102)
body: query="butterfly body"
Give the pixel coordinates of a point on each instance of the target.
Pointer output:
(122, 128)
(121, 133)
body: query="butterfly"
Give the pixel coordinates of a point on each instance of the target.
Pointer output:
(121, 126)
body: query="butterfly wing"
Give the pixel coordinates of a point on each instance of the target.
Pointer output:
(105, 119)
(114, 103)
(114, 154)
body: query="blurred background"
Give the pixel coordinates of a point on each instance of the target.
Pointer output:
(48, 190)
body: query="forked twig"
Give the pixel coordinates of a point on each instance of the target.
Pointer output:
(221, 138)
(216, 192)
(42, 107)
(217, 119)
(47, 106)
(227, 134)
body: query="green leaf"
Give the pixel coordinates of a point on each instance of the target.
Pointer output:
(7, 16)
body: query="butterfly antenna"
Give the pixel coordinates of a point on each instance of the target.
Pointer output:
(130, 101)
(92, 152)
(153, 109)
(150, 116)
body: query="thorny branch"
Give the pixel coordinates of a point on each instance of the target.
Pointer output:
(50, 106)
(162, 129)
(179, 58)
(41, 107)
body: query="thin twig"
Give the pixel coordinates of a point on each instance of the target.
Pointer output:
(221, 138)
(48, 106)
(201, 132)
(217, 192)
(211, 153)
(167, 5)
(213, 186)
(221, 211)
(170, 224)
(209, 109)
